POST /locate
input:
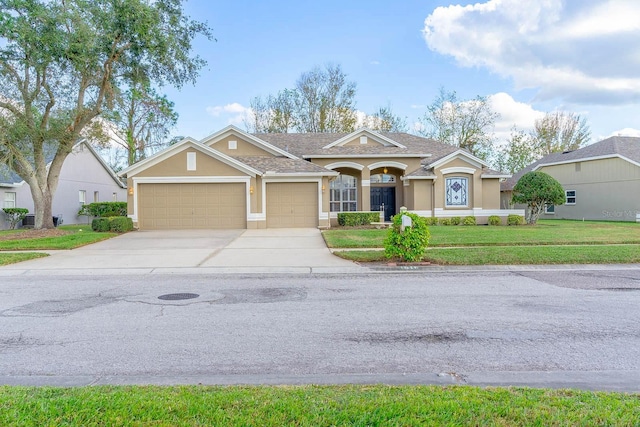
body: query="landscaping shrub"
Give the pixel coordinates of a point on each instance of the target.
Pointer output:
(444, 221)
(120, 224)
(495, 220)
(469, 220)
(351, 219)
(515, 219)
(410, 244)
(104, 209)
(15, 215)
(455, 220)
(100, 224)
(431, 220)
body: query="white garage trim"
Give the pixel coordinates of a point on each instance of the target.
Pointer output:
(457, 169)
(188, 180)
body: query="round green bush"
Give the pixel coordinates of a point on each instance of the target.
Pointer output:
(444, 221)
(469, 220)
(408, 245)
(515, 220)
(456, 220)
(495, 220)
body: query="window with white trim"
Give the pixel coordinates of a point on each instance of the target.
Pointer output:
(457, 192)
(82, 197)
(343, 194)
(550, 209)
(9, 200)
(570, 197)
(96, 196)
(114, 197)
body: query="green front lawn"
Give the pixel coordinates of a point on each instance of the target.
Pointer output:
(368, 405)
(19, 257)
(546, 232)
(515, 255)
(76, 236)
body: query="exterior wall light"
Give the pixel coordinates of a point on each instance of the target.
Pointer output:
(251, 189)
(131, 191)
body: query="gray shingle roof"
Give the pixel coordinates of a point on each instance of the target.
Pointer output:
(281, 165)
(626, 146)
(7, 176)
(311, 144)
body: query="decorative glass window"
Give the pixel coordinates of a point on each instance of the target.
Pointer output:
(550, 209)
(9, 200)
(343, 193)
(382, 178)
(456, 192)
(570, 196)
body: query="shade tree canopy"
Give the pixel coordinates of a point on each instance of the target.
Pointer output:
(63, 64)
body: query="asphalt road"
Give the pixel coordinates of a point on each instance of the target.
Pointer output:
(540, 328)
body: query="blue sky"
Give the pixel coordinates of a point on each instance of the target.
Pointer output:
(527, 57)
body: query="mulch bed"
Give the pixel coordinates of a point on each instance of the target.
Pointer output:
(33, 234)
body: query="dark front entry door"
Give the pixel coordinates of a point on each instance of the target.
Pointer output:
(384, 196)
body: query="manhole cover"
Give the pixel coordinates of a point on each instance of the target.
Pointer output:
(176, 297)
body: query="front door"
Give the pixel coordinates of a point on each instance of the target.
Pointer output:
(384, 196)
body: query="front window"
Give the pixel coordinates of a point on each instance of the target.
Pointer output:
(82, 197)
(383, 178)
(456, 192)
(549, 209)
(570, 196)
(9, 200)
(343, 194)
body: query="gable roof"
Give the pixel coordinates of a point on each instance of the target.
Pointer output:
(624, 147)
(317, 145)
(231, 129)
(8, 178)
(170, 151)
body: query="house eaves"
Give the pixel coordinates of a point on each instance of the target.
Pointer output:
(272, 149)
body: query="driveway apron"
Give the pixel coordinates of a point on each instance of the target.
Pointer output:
(207, 251)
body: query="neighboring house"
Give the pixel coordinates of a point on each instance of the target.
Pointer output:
(233, 179)
(84, 178)
(601, 181)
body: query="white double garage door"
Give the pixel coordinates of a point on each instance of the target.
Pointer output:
(172, 206)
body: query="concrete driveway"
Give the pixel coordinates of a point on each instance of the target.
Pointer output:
(296, 250)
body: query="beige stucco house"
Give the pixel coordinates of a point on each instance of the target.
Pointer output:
(601, 181)
(233, 179)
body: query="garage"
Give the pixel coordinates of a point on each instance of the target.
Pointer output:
(292, 205)
(192, 206)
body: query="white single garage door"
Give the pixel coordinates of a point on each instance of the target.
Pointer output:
(292, 205)
(191, 206)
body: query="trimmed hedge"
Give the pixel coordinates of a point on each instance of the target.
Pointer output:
(351, 219)
(117, 224)
(104, 209)
(444, 221)
(431, 220)
(121, 224)
(100, 224)
(515, 219)
(469, 220)
(495, 220)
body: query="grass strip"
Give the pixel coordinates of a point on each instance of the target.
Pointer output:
(546, 232)
(77, 236)
(502, 255)
(12, 258)
(313, 406)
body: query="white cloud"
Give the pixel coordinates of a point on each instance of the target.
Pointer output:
(234, 113)
(626, 132)
(581, 52)
(512, 113)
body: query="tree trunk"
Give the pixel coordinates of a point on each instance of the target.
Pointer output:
(42, 201)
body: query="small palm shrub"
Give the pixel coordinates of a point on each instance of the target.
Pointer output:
(408, 244)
